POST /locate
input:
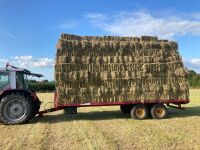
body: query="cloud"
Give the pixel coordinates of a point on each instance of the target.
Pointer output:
(195, 61)
(25, 58)
(146, 23)
(193, 64)
(7, 33)
(96, 16)
(67, 25)
(29, 61)
(196, 15)
(4, 60)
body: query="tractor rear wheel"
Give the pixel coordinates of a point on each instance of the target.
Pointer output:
(15, 108)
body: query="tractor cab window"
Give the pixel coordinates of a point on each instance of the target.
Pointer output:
(4, 81)
(26, 81)
(21, 81)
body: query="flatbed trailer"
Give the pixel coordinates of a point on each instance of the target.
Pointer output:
(127, 109)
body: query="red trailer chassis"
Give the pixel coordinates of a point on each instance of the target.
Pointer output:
(57, 106)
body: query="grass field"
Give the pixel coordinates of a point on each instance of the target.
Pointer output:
(106, 128)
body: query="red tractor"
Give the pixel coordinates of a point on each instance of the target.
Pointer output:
(18, 104)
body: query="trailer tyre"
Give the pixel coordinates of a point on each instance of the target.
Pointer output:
(125, 109)
(159, 111)
(15, 108)
(139, 112)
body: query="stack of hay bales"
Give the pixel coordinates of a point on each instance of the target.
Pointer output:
(113, 69)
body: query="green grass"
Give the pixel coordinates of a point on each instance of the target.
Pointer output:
(106, 128)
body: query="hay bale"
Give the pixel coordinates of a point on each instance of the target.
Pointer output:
(112, 68)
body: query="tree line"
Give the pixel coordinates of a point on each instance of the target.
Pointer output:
(49, 86)
(42, 86)
(194, 79)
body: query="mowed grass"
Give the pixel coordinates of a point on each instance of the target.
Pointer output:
(106, 128)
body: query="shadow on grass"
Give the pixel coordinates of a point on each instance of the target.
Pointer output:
(188, 112)
(109, 115)
(93, 115)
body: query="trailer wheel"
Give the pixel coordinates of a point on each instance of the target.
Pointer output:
(139, 112)
(125, 109)
(15, 108)
(158, 111)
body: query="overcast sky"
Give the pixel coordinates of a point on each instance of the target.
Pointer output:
(29, 30)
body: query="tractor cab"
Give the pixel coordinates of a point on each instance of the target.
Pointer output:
(18, 103)
(15, 78)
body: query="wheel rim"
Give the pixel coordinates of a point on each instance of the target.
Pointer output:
(159, 112)
(15, 110)
(140, 112)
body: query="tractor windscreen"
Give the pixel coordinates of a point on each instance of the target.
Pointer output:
(4, 81)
